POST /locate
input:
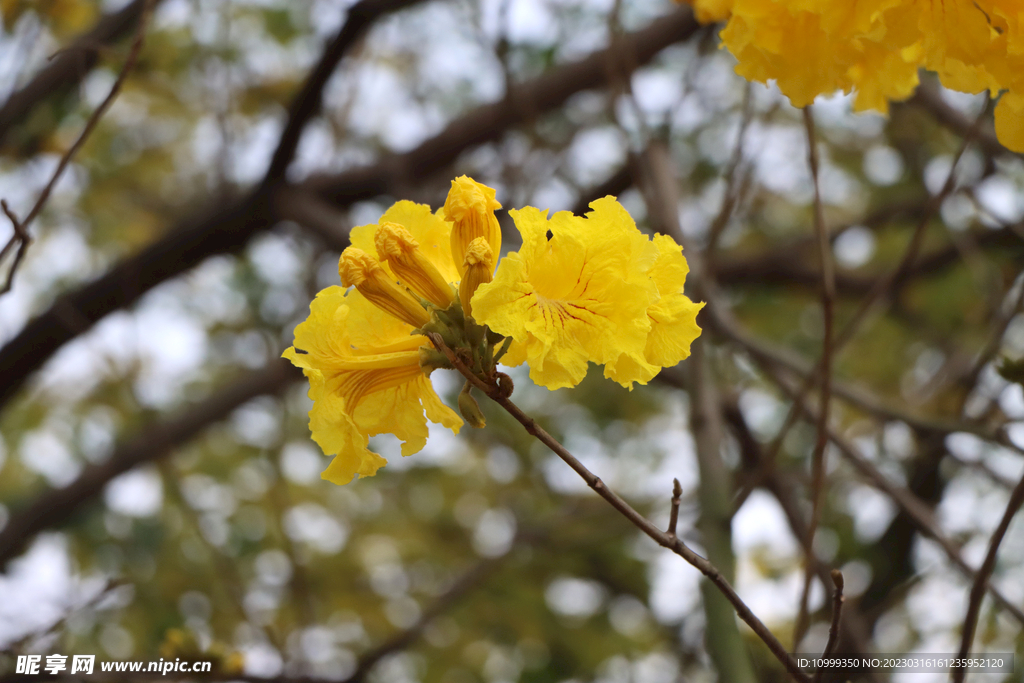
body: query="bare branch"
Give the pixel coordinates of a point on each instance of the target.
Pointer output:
(837, 615)
(70, 65)
(982, 576)
(677, 493)
(645, 525)
(916, 510)
(21, 228)
(306, 103)
(828, 292)
(55, 506)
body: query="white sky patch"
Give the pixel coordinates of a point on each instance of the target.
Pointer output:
(761, 522)
(761, 411)
(39, 588)
(675, 590)
(574, 597)
(883, 165)
(872, 512)
(138, 493)
(531, 22)
(855, 246)
(45, 453)
(595, 153)
(773, 600)
(302, 462)
(316, 526)
(1001, 197)
(251, 156)
(495, 530)
(170, 344)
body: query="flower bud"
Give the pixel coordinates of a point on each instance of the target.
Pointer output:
(400, 249)
(478, 268)
(470, 409)
(470, 207)
(358, 268)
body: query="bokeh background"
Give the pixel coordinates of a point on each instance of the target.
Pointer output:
(159, 491)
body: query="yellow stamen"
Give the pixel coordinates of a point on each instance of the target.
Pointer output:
(358, 268)
(470, 206)
(478, 268)
(397, 245)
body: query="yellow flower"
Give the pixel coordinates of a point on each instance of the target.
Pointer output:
(673, 319)
(586, 290)
(357, 348)
(582, 289)
(478, 269)
(470, 206)
(876, 47)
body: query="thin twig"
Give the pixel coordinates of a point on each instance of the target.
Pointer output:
(982, 576)
(837, 614)
(828, 293)
(21, 229)
(645, 525)
(883, 286)
(677, 493)
(916, 510)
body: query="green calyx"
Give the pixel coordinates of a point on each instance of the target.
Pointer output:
(471, 343)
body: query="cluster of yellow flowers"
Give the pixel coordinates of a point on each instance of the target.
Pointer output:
(876, 47)
(581, 289)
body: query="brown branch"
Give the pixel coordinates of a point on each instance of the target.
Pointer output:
(403, 639)
(783, 488)
(884, 289)
(913, 507)
(828, 292)
(21, 228)
(228, 226)
(837, 615)
(929, 98)
(70, 66)
(306, 103)
(981, 578)
(673, 543)
(158, 440)
(780, 267)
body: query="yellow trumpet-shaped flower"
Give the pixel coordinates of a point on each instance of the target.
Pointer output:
(402, 252)
(358, 268)
(358, 350)
(470, 207)
(478, 270)
(365, 379)
(584, 290)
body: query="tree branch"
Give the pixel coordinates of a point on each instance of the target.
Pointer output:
(828, 293)
(982, 576)
(70, 66)
(306, 103)
(645, 525)
(21, 227)
(157, 441)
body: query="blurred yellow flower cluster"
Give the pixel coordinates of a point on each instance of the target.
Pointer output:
(876, 47)
(581, 289)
